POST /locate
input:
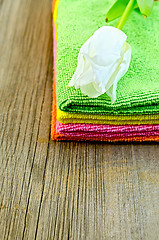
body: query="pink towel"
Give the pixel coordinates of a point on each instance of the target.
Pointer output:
(106, 131)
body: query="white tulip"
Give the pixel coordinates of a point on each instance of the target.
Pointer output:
(102, 61)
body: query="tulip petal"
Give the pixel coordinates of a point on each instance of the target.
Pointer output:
(103, 59)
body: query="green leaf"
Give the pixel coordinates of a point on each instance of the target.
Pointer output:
(117, 10)
(145, 6)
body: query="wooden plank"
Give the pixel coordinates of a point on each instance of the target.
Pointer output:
(61, 190)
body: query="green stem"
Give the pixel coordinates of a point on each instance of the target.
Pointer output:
(126, 14)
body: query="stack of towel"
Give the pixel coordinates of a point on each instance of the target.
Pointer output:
(135, 114)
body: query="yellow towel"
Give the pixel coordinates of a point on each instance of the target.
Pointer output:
(65, 117)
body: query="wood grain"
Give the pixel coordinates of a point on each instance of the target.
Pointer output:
(61, 190)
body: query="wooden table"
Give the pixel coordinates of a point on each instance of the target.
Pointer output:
(61, 190)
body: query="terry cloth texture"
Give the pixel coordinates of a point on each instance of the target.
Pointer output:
(65, 117)
(93, 132)
(107, 130)
(109, 133)
(138, 90)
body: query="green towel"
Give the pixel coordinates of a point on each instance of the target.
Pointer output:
(138, 90)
